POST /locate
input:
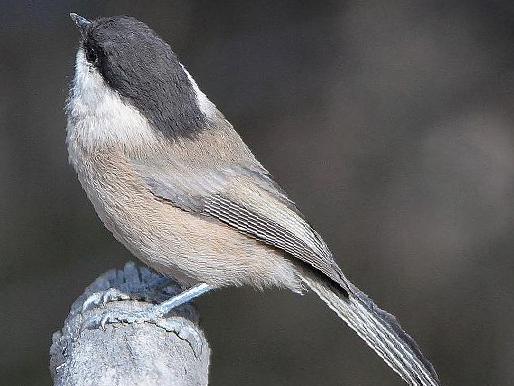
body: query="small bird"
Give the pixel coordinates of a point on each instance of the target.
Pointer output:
(172, 180)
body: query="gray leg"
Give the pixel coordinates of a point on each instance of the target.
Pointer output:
(151, 314)
(183, 297)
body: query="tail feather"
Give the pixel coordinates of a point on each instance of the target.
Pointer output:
(379, 329)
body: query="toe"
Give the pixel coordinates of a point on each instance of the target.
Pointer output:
(92, 301)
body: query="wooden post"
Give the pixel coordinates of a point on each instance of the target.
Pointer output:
(173, 351)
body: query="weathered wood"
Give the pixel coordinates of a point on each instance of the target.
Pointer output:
(172, 352)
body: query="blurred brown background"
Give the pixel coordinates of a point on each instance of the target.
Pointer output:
(389, 123)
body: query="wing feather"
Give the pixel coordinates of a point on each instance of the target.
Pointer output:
(245, 199)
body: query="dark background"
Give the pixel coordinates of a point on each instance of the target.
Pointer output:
(389, 123)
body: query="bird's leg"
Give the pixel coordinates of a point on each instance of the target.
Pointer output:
(151, 314)
(186, 296)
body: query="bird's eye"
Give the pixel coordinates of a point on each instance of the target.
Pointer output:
(90, 54)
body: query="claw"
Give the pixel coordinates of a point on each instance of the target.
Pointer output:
(104, 321)
(92, 300)
(99, 299)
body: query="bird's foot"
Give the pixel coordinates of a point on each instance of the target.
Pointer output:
(100, 299)
(150, 314)
(113, 316)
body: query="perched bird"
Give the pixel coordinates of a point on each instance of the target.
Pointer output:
(172, 180)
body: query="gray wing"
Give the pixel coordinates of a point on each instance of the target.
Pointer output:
(245, 198)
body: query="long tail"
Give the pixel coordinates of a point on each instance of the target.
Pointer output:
(379, 329)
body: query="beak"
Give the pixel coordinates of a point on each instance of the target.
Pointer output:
(81, 22)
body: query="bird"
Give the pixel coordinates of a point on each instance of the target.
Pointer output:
(173, 181)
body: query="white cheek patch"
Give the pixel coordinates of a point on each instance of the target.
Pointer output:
(206, 106)
(97, 115)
